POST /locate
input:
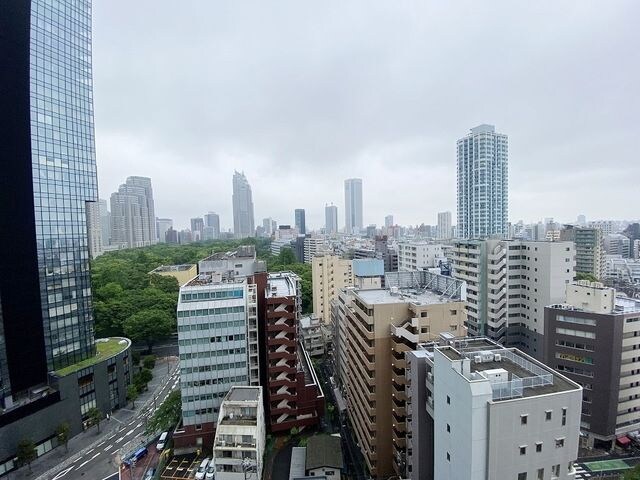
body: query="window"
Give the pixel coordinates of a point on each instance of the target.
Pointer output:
(522, 476)
(448, 457)
(538, 447)
(523, 419)
(559, 442)
(564, 416)
(555, 470)
(547, 415)
(448, 428)
(540, 474)
(448, 400)
(523, 449)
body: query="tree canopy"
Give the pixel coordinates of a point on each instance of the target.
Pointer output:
(149, 326)
(167, 415)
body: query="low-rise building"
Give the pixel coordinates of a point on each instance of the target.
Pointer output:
(238, 447)
(182, 273)
(312, 335)
(483, 411)
(419, 255)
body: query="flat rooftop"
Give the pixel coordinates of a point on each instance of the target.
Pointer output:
(173, 268)
(105, 348)
(404, 295)
(205, 279)
(626, 305)
(282, 284)
(243, 394)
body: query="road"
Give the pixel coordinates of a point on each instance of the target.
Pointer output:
(100, 461)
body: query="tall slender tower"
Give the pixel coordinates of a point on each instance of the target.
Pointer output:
(330, 219)
(243, 223)
(301, 223)
(353, 205)
(483, 203)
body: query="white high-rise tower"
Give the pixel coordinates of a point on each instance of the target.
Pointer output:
(353, 205)
(243, 223)
(483, 184)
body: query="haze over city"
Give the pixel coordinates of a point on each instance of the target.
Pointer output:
(301, 96)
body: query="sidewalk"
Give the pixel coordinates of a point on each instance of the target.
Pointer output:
(48, 465)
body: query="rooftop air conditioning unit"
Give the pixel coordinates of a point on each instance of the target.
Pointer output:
(477, 359)
(497, 357)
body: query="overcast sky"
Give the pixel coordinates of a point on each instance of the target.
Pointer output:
(301, 95)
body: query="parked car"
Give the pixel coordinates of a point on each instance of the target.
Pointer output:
(135, 456)
(211, 471)
(162, 441)
(149, 474)
(202, 469)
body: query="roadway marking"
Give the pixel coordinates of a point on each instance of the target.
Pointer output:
(89, 451)
(82, 464)
(62, 473)
(95, 455)
(106, 449)
(129, 432)
(101, 443)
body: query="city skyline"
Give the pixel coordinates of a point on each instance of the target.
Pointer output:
(389, 119)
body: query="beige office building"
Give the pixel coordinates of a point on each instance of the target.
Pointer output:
(376, 327)
(330, 273)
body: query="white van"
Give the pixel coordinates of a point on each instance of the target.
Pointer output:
(161, 441)
(202, 469)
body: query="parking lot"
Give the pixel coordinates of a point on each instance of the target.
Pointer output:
(181, 467)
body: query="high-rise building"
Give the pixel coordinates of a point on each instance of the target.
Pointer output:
(267, 225)
(478, 410)
(419, 255)
(375, 328)
(329, 274)
(388, 221)
(331, 219)
(294, 394)
(243, 223)
(444, 225)
(48, 183)
(353, 205)
(211, 226)
(509, 282)
(483, 203)
(94, 229)
(617, 244)
(162, 227)
(313, 246)
(593, 338)
(197, 228)
(589, 244)
(133, 221)
(105, 223)
(300, 221)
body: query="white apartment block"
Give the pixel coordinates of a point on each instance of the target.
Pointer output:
(617, 244)
(239, 443)
(509, 282)
(329, 274)
(483, 204)
(622, 269)
(491, 413)
(314, 246)
(419, 255)
(444, 225)
(217, 343)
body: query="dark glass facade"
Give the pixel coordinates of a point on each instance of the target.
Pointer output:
(48, 140)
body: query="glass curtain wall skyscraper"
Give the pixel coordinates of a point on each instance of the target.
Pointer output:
(353, 205)
(483, 203)
(243, 221)
(49, 177)
(301, 223)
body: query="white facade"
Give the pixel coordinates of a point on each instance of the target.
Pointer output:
(217, 343)
(239, 442)
(243, 221)
(313, 246)
(211, 229)
(483, 203)
(329, 273)
(353, 205)
(509, 282)
(624, 269)
(444, 225)
(133, 221)
(162, 227)
(94, 229)
(331, 219)
(419, 255)
(617, 244)
(488, 423)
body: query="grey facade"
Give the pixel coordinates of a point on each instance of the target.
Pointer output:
(133, 220)
(243, 221)
(483, 203)
(353, 205)
(331, 219)
(301, 223)
(211, 226)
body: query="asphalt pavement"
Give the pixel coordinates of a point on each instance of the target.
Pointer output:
(94, 455)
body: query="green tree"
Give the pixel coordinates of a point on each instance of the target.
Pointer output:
(142, 378)
(148, 326)
(26, 452)
(132, 394)
(286, 257)
(149, 361)
(586, 276)
(62, 432)
(94, 415)
(167, 415)
(633, 474)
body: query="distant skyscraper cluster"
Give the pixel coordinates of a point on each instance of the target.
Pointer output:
(133, 218)
(483, 184)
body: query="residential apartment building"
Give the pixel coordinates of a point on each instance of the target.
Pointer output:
(376, 327)
(509, 282)
(239, 444)
(294, 394)
(621, 269)
(419, 256)
(353, 206)
(329, 273)
(482, 411)
(313, 246)
(243, 220)
(444, 225)
(589, 248)
(483, 203)
(594, 338)
(617, 244)
(313, 335)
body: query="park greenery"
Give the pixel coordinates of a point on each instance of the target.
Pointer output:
(167, 415)
(128, 301)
